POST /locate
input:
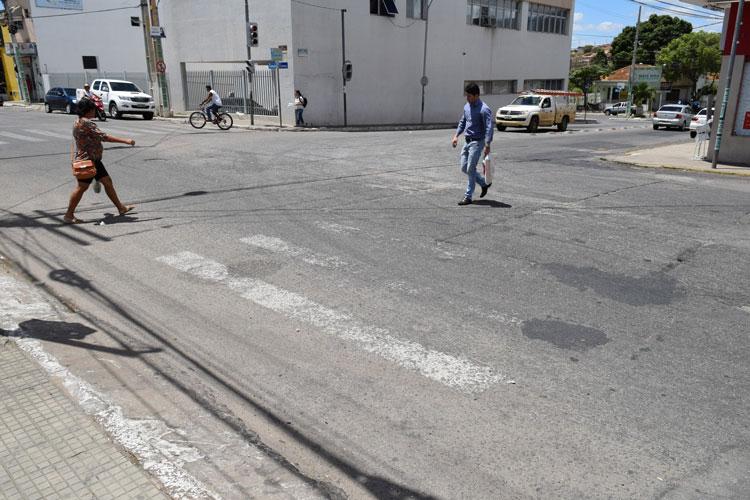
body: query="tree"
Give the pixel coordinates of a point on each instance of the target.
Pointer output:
(691, 56)
(578, 77)
(655, 33)
(642, 92)
(600, 59)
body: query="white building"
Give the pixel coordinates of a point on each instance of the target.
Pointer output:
(505, 46)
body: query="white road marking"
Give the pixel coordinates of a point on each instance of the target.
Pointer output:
(336, 228)
(458, 373)
(280, 246)
(21, 137)
(119, 132)
(50, 134)
(1, 142)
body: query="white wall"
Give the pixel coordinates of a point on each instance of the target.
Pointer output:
(63, 40)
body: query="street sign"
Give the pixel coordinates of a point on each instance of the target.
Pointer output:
(161, 66)
(283, 65)
(277, 54)
(648, 75)
(157, 32)
(272, 65)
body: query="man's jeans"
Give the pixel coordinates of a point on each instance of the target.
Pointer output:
(211, 107)
(469, 159)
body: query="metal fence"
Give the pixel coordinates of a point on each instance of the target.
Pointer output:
(76, 80)
(235, 90)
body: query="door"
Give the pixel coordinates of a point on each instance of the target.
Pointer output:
(56, 100)
(547, 113)
(104, 93)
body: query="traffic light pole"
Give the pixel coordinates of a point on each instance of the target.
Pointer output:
(632, 66)
(146, 20)
(343, 59)
(21, 75)
(249, 73)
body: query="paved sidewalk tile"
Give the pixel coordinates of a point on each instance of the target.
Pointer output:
(50, 449)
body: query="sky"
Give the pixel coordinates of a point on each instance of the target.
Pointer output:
(597, 22)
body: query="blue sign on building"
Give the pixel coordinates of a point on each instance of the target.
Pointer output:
(272, 65)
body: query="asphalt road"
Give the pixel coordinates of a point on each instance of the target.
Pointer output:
(580, 333)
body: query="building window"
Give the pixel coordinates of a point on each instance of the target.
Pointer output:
(415, 9)
(89, 62)
(493, 13)
(383, 8)
(546, 19)
(494, 87)
(544, 84)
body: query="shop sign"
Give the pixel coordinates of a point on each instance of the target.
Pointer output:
(60, 4)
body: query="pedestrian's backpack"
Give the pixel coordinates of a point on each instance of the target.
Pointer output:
(304, 101)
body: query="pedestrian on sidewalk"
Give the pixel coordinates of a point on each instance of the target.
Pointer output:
(299, 104)
(478, 124)
(88, 139)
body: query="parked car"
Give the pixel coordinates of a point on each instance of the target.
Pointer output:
(620, 107)
(700, 119)
(121, 97)
(673, 115)
(538, 108)
(61, 98)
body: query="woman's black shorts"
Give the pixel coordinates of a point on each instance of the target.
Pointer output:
(100, 172)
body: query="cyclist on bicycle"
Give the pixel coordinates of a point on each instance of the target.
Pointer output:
(215, 102)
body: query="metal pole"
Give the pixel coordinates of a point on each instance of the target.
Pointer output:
(343, 59)
(424, 59)
(632, 66)
(250, 75)
(732, 55)
(278, 91)
(21, 75)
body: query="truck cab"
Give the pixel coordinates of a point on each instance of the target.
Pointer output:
(538, 108)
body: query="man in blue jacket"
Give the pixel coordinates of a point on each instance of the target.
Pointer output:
(478, 124)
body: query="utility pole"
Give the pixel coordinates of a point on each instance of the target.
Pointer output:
(732, 56)
(250, 58)
(158, 55)
(146, 20)
(632, 66)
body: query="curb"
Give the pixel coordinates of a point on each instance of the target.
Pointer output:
(673, 167)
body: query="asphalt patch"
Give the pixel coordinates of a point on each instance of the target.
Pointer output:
(564, 335)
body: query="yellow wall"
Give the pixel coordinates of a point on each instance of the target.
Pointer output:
(9, 69)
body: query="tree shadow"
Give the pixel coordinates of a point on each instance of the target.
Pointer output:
(71, 334)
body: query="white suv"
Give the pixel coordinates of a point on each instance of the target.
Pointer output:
(120, 97)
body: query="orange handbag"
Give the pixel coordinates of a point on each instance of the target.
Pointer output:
(82, 169)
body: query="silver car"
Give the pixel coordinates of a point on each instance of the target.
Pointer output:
(673, 115)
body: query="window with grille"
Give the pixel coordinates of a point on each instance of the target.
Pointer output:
(494, 87)
(383, 8)
(493, 13)
(544, 84)
(547, 19)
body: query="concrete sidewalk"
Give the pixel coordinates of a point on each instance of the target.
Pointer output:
(675, 156)
(49, 448)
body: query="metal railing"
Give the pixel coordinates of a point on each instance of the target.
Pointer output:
(234, 89)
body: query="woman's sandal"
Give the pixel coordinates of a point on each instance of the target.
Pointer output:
(74, 220)
(128, 208)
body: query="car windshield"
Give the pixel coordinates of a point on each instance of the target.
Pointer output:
(124, 87)
(671, 108)
(526, 100)
(702, 112)
(70, 92)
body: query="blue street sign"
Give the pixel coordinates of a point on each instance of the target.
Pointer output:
(277, 54)
(283, 65)
(272, 65)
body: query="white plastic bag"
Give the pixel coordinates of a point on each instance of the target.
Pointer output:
(97, 186)
(488, 168)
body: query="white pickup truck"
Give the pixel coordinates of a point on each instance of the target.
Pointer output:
(120, 97)
(538, 108)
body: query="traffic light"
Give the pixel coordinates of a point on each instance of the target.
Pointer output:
(250, 66)
(12, 28)
(347, 70)
(253, 34)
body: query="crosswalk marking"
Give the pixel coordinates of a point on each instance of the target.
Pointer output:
(21, 137)
(120, 132)
(280, 246)
(452, 371)
(50, 134)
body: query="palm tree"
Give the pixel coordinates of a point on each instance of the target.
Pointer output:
(642, 93)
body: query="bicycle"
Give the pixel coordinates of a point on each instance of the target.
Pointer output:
(223, 120)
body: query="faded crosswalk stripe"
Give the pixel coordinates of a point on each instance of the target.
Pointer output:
(120, 132)
(280, 246)
(455, 372)
(21, 137)
(50, 134)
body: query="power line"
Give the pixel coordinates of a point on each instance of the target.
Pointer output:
(663, 9)
(689, 9)
(318, 6)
